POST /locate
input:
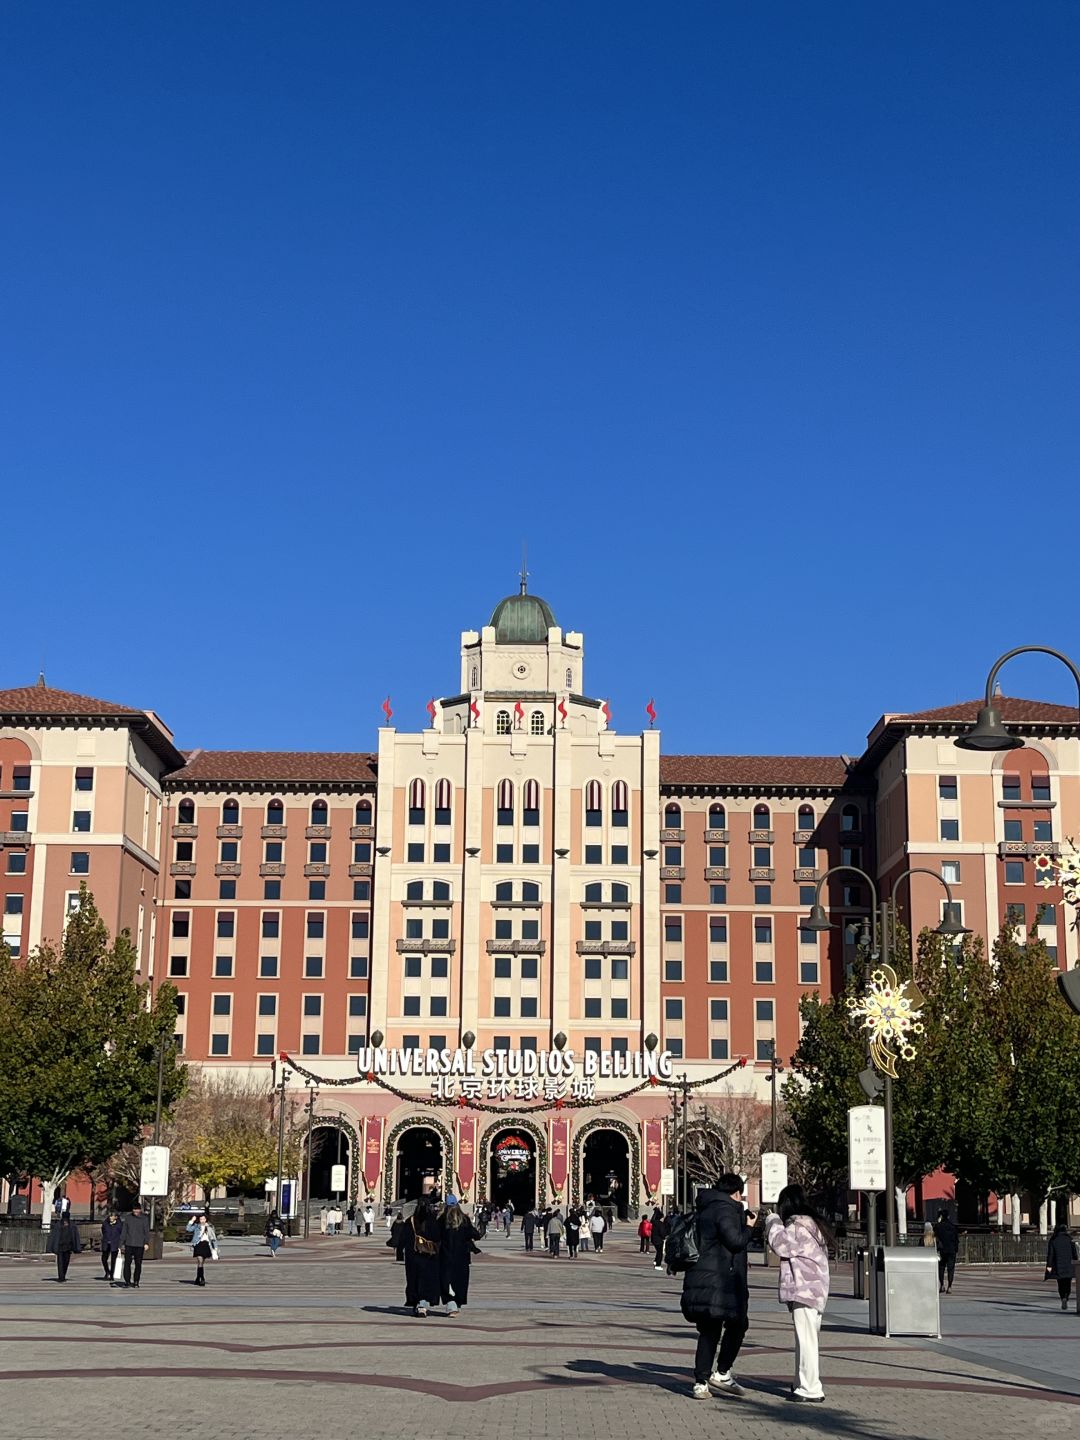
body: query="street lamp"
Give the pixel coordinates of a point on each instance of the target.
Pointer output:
(988, 732)
(882, 916)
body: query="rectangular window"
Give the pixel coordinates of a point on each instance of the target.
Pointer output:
(672, 894)
(717, 854)
(16, 862)
(411, 1005)
(313, 967)
(316, 890)
(763, 972)
(267, 1004)
(361, 890)
(946, 787)
(674, 1046)
(272, 852)
(309, 1045)
(358, 967)
(271, 925)
(271, 889)
(620, 855)
(594, 930)
(268, 967)
(763, 1049)
(807, 857)
(718, 929)
(1014, 872)
(762, 894)
(718, 972)
(414, 852)
(592, 1044)
(357, 1005)
(441, 853)
(528, 1007)
(1014, 830)
(181, 925)
(620, 1008)
(673, 929)
(530, 930)
(502, 1007)
(673, 971)
(503, 968)
(530, 969)
(504, 854)
(316, 927)
(763, 1011)
(13, 904)
(20, 821)
(807, 894)
(950, 872)
(950, 829)
(223, 965)
(436, 1042)
(230, 852)
(593, 968)
(264, 1043)
(219, 1044)
(410, 1042)
(762, 930)
(222, 1005)
(360, 925)
(530, 854)
(182, 890)
(718, 1048)
(1040, 788)
(1043, 830)
(502, 1042)
(226, 925)
(592, 1008)
(84, 778)
(438, 1004)
(808, 972)
(620, 967)
(178, 964)
(1045, 914)
(312, 1006)
(717, 894)
(80, 862)
(440, 967)
(504, 929)
(718, 1010)
(226, 890)
(414, 929)
(763, 856)
(594, 854)
(20, 778)
(673, 1009)
(80, 821)
(1010, 787)
(808, 937)
(355, 1044)
(317, 852)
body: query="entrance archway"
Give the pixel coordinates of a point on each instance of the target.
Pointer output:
(330, 1145)
(513, 1169)
(605, 1170)
(418, 1162)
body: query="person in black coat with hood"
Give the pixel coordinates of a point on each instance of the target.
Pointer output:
(716, 1296)
(1061, 1260)
(455, 1258)
(947, 1235)
(63, 1242)
(658, 1236)
(423, 1233)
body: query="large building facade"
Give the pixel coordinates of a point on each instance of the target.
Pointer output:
(520, 924)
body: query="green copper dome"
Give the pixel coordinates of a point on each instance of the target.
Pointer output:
(522, 620)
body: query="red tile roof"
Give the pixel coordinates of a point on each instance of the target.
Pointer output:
(274, 767)
(752, 770)
(1011, 708)
(43, 700)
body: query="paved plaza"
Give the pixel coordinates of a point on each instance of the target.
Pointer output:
(316, 1343)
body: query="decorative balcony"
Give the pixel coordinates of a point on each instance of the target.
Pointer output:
(718, 872)
(274, 832)
(672, 872)
(362, 832)
(317, 867)
(606, 947)
(762, 872)
(717, 837)
(803, 837)
(317, 832)
(851, 837)
(178, 867)
(185, 832)
(761, 837)
(426, 947)
(672, 837)
(272, 867)
(224, 832)
(16, 837)
(806, 875)
(1022, 849)
(227, 867)
(516, 947)
(361, 868)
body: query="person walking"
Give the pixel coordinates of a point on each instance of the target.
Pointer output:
(423, 1244)
(273, 1233)
(948, 1243)
(397, 1238)
(597, 1227)
(508, 1218)
(63, 1242)
(715, 1294)
(369, 1216)
(112, 1233)
(644, 1231)
(528, 1228)
(350, 1218)
(583, 1233)
(659, 1235)
(1060, 1261)
(573, 1233)
(555, 1233)
(799, 1236)
(455, 1257)
(929, 1239)
(203, 1245)
(135, 1236)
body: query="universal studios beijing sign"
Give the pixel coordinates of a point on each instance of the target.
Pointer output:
(514, 1074)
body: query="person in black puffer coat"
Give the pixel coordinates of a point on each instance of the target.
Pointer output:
(1061, 1260)
(715, 1295)
(423, 1244)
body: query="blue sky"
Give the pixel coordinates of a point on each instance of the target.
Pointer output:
(757, 321)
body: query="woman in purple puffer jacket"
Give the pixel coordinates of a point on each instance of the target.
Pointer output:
(800, 1237)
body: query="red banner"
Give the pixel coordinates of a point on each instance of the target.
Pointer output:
(373, 1152)
(466, 1151)
(654, 1134)
(559, 1168)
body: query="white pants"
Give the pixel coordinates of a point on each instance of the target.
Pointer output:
(807, 1329)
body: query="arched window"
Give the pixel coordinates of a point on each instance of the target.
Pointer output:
(185, 812)
(717, 817)
(504, 890)
(620, 815)
(417, 797)
(762, 817)
(593, 800)
(502, 723)
(319, 812)
(475, 681)
(531, 803)
(672, 816)
(530, 890)
(275, 813)
(849, 818)
(569, 679)
(504, 800)
(363, 812)
(807, 820)
(414, 890)
(620, 894)
(440, 890)
(536, 723)
(443, 791)
(594, 893)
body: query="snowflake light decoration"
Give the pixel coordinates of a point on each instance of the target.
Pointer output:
(890, 1012)
(1063, 870)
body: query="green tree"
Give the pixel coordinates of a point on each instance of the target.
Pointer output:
(226, 1134)
(79, 1041)
(823, 1085)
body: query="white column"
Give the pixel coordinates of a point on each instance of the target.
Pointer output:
(1001, 1212)
(901, 1210)
(1044, 1217)
(1014, 1201)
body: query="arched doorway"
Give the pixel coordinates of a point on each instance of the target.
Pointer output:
(330, 1146)
(418, 1162)
(605, 1169)
(513, 1169)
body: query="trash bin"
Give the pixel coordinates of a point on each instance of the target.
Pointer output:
(860, 1267)
(904, 1293)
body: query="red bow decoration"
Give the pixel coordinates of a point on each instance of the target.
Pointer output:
(560, 1104)
(283, 1055)
(386, 709)
(742, 1059)
(654, 1080)
(462, 1102)
(370, 1076)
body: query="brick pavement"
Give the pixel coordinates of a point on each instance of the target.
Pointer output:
(316, 1343)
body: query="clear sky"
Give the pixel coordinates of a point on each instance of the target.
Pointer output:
(757, 321)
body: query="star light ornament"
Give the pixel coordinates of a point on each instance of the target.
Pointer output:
(1063, 870)
(890, 1011)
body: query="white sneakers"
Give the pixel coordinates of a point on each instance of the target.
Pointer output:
(724, 1385)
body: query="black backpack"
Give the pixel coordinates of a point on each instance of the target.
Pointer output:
(681, 1251)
